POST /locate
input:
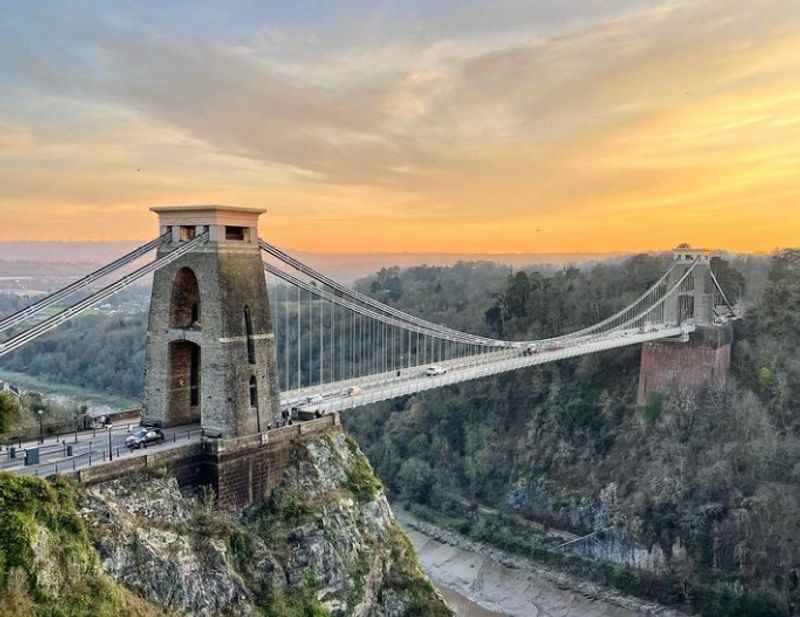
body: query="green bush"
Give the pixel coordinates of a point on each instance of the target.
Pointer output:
(653, 408)
(28, 507)
(9, 411)
(361, 480)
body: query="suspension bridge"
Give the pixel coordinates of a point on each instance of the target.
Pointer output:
(241, 331)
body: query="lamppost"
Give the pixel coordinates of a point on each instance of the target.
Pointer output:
(41, 426)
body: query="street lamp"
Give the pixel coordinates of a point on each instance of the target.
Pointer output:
(41, 426)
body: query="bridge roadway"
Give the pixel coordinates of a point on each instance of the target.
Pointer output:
(411, 380)
(92, 447)
(88, 448)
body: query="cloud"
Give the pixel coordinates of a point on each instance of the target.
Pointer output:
(14, 139)
(644, 113)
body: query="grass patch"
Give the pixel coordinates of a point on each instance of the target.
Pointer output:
(73, 392)
(298, 602)
(406, 578)
(361, 480)
(40, 517)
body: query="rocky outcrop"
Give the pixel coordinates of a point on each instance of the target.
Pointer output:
(598, 522)
(326, 543)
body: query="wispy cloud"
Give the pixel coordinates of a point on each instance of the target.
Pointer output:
(673, 111)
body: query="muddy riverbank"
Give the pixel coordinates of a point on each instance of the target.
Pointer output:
(481, 581)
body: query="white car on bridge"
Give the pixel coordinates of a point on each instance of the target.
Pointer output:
(433, 371)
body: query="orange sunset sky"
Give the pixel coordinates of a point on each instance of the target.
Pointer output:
(552, 126)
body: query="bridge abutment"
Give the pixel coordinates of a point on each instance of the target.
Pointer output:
(704, 360)
(241, 470)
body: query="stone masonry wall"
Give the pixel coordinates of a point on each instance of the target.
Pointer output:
(704, 360)
(246, 470)
(241, 471)
(230, 278)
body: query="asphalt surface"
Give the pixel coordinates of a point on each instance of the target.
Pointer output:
(384, 386)
(88, 448)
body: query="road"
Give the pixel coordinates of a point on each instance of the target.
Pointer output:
(88, 448)
(405, 381)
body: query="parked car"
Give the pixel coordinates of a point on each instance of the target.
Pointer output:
(142, 436)
(432, 371)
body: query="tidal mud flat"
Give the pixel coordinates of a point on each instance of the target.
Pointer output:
(480, 581)
(465, 607)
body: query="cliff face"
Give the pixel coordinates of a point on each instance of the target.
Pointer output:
(326, 543)
(47, 564)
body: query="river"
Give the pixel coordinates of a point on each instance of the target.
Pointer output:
(480, 581)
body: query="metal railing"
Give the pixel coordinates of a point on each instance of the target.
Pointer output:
(465, 373)
(95, 452)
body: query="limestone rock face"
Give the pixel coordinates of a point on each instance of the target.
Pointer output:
(142, 529)
(326, 543)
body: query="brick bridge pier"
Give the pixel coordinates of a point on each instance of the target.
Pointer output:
(704, 358)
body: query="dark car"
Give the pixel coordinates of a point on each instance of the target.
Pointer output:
(142, 436)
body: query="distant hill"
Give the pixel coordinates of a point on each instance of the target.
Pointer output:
(64, 258)
(65, 252)
(350, 266)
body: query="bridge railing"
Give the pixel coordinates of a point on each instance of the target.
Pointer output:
(421, 383)
(100, 452)
(300, 395)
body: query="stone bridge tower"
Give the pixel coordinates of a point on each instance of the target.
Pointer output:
(703, 359)
(210, 346)
(695, 299)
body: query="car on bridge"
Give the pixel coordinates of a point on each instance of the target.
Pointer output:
(433, 371)
(142, 436)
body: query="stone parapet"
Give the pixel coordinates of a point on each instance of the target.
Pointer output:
(241, 470)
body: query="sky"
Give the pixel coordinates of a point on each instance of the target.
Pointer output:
(375, 126)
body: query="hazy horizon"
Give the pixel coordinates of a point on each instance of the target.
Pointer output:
(548, 127)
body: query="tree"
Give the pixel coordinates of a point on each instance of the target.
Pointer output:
(653, 408)
(416, 479)
(731, 280)
(9, 412)
(518, 294)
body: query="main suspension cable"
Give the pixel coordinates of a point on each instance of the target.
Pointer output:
(34, 309)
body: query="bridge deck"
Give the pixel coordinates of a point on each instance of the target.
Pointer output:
(384, 386)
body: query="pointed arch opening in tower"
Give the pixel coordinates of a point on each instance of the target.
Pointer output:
(185, 304)
(184, 400)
